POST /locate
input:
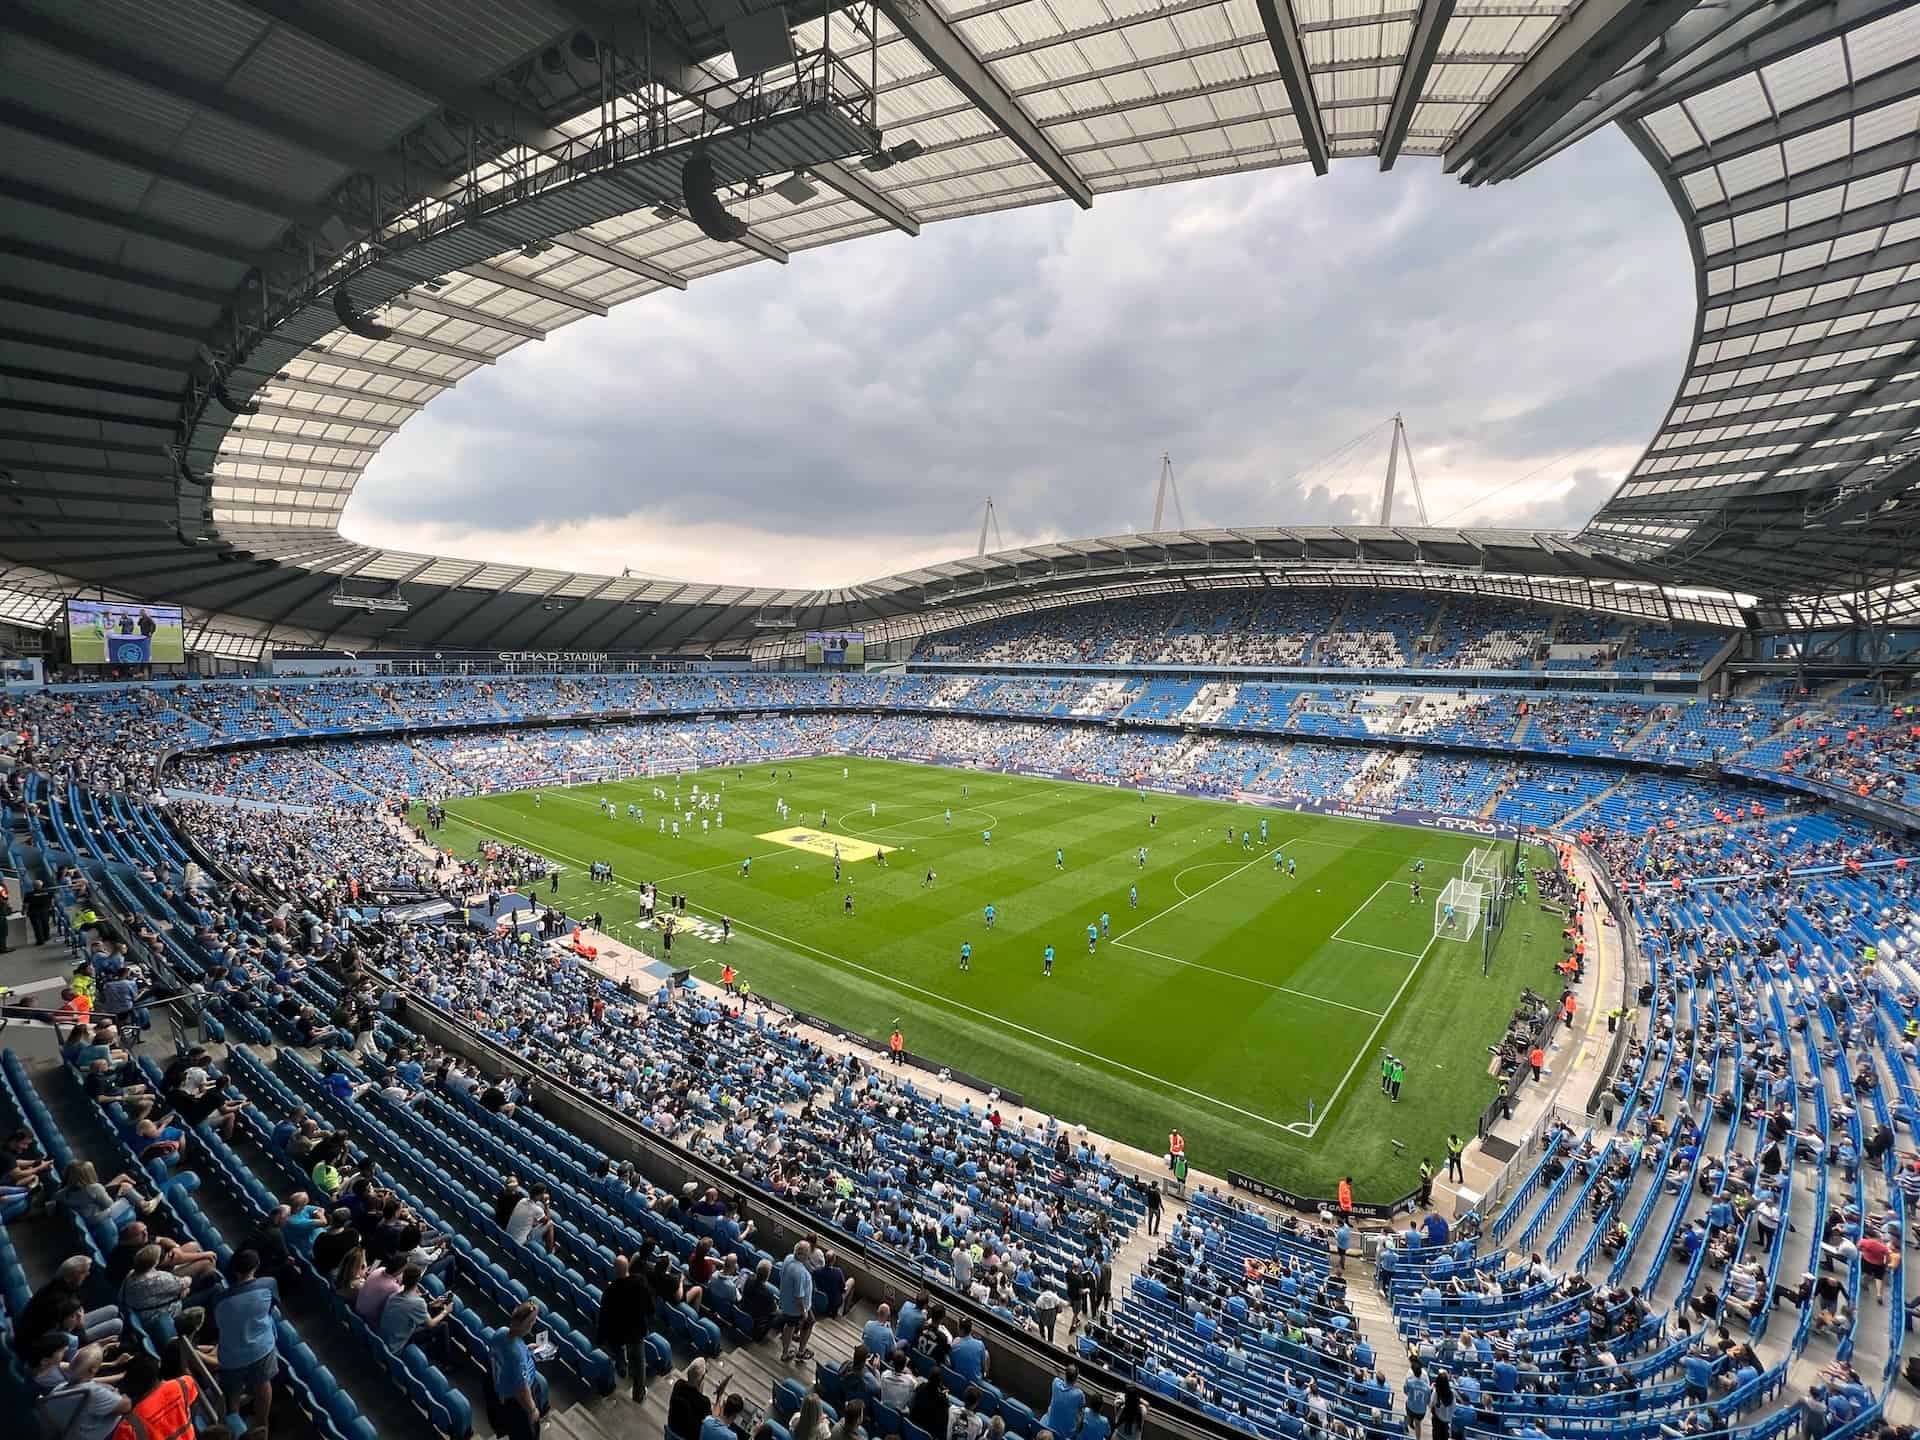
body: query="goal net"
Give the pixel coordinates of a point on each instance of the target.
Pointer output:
(1483, 867)
(1456, 914)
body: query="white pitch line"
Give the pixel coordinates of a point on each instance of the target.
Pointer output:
(1161, 915)
(1367, 1048)
(1098, 1057)
(1236, 975)
(896, 982)
(1383, 949)
(1356, 915)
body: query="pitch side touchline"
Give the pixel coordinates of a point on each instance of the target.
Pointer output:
(1236, 975)
(934, 995)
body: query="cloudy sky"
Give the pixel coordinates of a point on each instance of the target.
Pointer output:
(845, 416)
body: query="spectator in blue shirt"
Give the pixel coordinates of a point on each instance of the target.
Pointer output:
(512, 1408)
(1419, 1393)
(878, 1334)
(245, 1317)
(796, 1304)
(1698, 1369)
(1068, 1404)
(729, 1423)
(969, 1355)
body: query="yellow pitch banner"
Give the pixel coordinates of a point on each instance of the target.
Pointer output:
(825, 842)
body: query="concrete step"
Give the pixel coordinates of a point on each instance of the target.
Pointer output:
(1373, 1317)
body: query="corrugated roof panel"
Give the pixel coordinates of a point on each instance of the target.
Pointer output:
(194, 209)
(295, 76)
(478, 39)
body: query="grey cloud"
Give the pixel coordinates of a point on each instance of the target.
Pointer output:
(1047, 357)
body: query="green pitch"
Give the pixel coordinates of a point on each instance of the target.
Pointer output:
(1243, 1005)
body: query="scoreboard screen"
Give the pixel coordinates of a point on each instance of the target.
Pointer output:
(836, 647)
(113, 632)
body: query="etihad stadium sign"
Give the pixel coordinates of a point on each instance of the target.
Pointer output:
(550, 657)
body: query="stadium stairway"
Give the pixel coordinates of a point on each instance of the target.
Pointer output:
(1570, 822)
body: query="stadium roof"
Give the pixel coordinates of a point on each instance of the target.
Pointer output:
(244, 241)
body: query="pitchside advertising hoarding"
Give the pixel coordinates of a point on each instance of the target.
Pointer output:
(117, 632)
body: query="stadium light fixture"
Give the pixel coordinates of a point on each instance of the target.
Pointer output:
(346, 600)
(893, 155)
(796, 189)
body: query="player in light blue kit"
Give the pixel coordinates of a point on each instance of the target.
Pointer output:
(1133, 897)
(966, 954)
(989, 917)
(1049, 962)
(1093, 936)
(1106, 925)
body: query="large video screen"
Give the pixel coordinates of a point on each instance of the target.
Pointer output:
(836, 647)
(121, 632)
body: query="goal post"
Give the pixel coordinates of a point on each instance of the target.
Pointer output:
(1456, 913)
(1484, 867)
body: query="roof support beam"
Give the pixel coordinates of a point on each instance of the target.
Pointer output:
(862, 191)
(125, 274)
(453, 311)
(20, 192)
(1283, 35)
(262, 437)
(1867, 262)
(416, 72)
(1900, 419)
(304, 598)
(1823, 408)
(507, 279)
(97, 417)
(1837, 107)
(254, 482)
(320, 355)
(1895, 154)
(1847, 222)
(314, 417)
(1701, 49)
(78, 382)
(1599, 36)
(1870, 337)
(95, 472)
(164, 167)
(1860, 302)
(763, 246)
(952, 57)
(582, 244)
(212, 98)
(77, 442)
(505, 626)
(1428, 31)
(340, 392)
(106, 315)
(1869, 370)
(438, 347)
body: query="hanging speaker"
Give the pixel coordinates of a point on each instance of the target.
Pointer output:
(353, 320)
(703, 205)
(760, 42)
(226, 401)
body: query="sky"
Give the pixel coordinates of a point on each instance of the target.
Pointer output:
(845, 417)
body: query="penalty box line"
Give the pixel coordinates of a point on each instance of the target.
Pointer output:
(1414, 955)
(944, 1000)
